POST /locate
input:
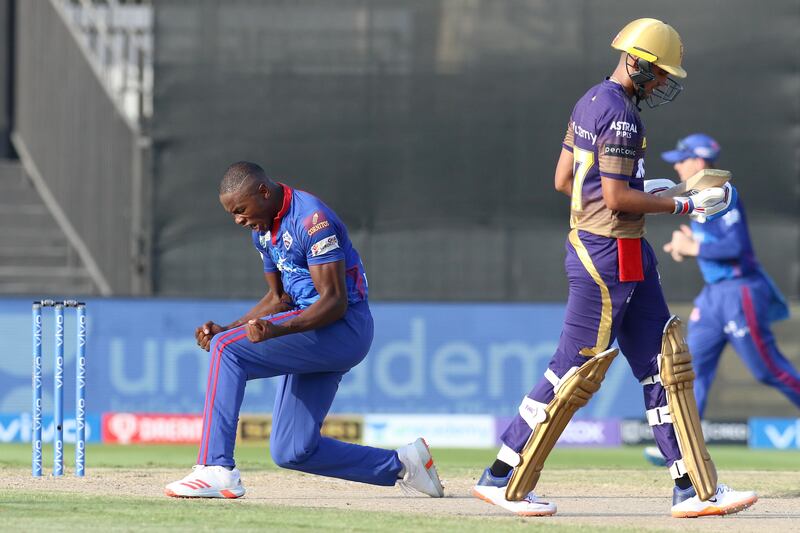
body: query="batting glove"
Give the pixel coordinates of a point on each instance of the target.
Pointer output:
(712, 202)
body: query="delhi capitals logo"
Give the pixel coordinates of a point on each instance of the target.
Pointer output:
(287, 240)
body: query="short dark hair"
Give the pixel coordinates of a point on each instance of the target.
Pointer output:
(240, 176)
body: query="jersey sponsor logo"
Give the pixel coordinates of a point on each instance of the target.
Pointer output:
(316, 224)
(324, 246)
(287, 240)
(583, 133)
(264, 239)
(623, 129)
(620, 150)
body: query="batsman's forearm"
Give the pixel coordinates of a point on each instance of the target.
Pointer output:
(633, 201)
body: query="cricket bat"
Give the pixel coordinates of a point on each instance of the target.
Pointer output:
(706, 178)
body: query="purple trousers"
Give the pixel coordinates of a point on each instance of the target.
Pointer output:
(600, 310)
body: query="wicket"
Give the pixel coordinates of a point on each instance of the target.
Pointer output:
(58, 387)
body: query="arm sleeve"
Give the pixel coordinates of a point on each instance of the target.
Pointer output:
(322, 238)
(730, 240)
(269, 265)
(619, 145)
(569, 137)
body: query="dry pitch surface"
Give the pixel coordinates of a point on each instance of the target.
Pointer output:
(628, 499)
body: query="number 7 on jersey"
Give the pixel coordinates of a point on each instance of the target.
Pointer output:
(582, 162)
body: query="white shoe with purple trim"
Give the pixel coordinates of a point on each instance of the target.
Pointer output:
(492, 489)
(686, 503)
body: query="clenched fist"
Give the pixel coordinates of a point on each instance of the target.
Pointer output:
(205, 333)
(260, 330)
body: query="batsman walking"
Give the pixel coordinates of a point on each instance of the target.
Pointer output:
(614, 289)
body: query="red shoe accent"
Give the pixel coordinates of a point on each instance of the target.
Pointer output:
(430, 461)
(228, 494)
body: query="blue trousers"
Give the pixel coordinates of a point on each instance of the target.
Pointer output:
(737, 311)
(310, 366)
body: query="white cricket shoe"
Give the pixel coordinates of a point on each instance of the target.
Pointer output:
(493, 490)
(207, 482)
(686, 503)
(420, 472)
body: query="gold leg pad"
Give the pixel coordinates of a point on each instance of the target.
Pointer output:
(571, 395)
(677, 377)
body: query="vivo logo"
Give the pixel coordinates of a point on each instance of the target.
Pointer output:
(58, 458)
(81, 415)
(59, 377)
(37, 456)
(37, 372)
(37, 331)
(37, 415)
(82, 372)
(59, 330)
(788, 437)
(20, 428)
(81, 330)
(80, 457)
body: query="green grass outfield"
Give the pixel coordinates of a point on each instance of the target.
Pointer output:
(453, 461)
(41, 510)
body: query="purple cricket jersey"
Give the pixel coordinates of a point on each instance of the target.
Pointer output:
(606, 138)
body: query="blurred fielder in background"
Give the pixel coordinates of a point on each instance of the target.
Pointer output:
(614, 289)
(739, 300)
(311, 327)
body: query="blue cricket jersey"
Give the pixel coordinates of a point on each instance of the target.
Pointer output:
(307, 232)
(726, 253)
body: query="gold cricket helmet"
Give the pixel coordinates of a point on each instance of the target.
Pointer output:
(655, 42)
